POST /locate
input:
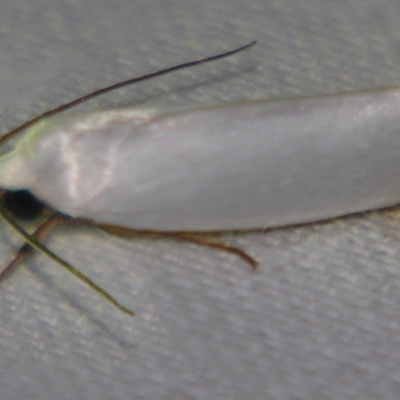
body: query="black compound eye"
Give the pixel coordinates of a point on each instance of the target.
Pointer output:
(22, 204)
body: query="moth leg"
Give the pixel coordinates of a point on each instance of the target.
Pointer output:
(34, 241)
(207, 241)
(200, 239)
(40, 233)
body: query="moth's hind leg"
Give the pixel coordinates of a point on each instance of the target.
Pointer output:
(207, 241)
(201, 239)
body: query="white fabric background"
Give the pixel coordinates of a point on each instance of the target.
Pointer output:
(321, 316)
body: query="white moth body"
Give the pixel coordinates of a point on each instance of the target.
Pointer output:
(238, 166)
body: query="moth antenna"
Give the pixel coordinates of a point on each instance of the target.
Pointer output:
(119, 85)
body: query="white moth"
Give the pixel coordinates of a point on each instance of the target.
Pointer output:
(238, 166)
